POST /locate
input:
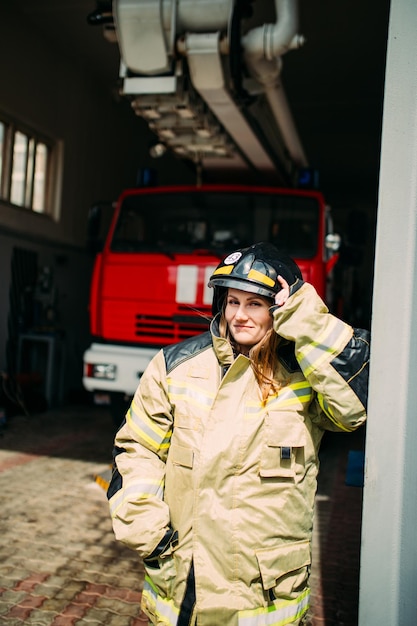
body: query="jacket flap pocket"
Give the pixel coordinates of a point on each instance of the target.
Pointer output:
(276, 562)
(180, 455)
(283, 430)
(276, 471)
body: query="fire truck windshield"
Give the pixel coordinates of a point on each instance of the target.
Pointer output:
(215, 221)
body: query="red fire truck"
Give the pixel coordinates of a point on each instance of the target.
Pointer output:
(206, 77)
(149, 285)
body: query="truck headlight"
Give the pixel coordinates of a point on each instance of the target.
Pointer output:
(103, 371)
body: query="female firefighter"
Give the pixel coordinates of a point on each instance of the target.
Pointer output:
(215, 465)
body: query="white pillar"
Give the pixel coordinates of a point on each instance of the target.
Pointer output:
(388, 580)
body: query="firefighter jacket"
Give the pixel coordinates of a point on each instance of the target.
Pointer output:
(214, 488)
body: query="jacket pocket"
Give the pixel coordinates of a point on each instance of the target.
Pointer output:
(285, 569)
(181, 455)
(283, 452)
(162, 573)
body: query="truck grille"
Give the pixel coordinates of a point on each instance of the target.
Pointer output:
(160, 329)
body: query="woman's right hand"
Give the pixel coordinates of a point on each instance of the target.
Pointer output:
(284, 293)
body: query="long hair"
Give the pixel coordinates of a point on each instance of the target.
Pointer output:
(263, 357)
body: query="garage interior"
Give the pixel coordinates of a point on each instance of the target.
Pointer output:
(60, 80)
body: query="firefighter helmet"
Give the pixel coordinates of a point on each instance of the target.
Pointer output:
(255, 269)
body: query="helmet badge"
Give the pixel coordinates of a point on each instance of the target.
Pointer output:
(232, 258)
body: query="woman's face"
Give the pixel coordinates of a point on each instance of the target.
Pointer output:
(247, 316)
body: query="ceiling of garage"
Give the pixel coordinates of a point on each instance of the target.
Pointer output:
(334, 83)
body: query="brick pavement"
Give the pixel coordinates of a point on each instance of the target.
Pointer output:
(59, 562)
(336, 539)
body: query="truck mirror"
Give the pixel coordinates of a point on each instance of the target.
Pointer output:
(333, 242)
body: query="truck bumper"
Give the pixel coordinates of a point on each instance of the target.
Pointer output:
(115, 369)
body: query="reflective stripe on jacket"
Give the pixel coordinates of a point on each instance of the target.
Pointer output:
(201, 454)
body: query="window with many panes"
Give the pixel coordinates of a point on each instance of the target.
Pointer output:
(25, 167)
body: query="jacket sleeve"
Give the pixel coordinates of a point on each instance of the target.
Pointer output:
(140, 516)
(333, 356)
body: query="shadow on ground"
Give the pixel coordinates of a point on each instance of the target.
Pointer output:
(82, 432)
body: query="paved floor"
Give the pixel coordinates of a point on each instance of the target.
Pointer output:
(59, 562)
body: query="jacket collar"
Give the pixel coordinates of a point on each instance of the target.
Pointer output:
(222, 347)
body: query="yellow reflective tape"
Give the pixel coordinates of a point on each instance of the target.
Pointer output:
(328, 411)
(226, 269)
(134, 493)
(153, 604)
(261, 278)
(149, 433)
(280, 613)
